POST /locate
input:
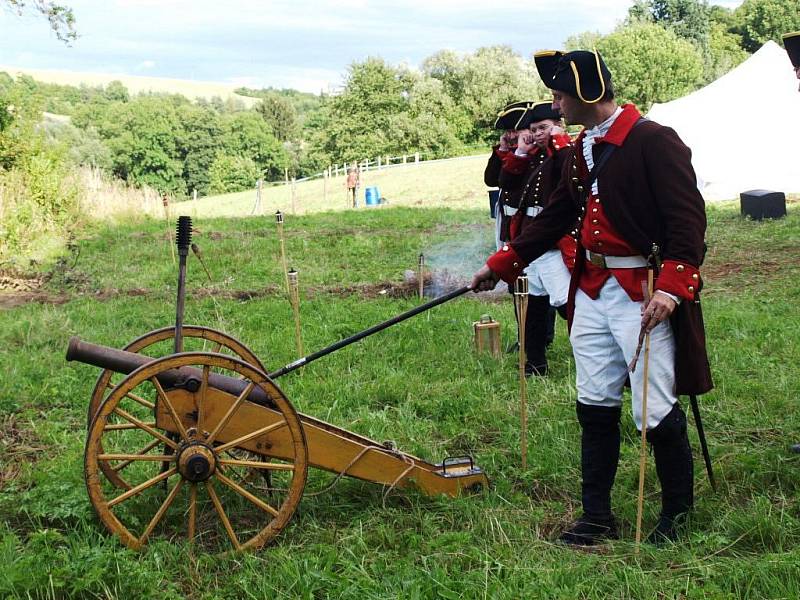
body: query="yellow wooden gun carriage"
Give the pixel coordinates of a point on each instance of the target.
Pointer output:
(204, 445)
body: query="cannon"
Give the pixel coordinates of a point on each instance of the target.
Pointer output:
(204, 445)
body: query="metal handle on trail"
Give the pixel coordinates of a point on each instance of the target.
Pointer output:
(301, 362)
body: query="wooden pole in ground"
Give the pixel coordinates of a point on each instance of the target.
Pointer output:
(165, 204)
(279, 224)
(421, 275)
(643, 448)
(521, 300)
(294, 299)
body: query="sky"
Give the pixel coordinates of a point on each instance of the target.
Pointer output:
(301, 44)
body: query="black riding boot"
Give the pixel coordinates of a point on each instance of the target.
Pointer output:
(599, 457)
(674, 466)
(536, 326)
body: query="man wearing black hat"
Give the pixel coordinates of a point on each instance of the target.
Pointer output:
(510, 184)
(791, 41)
(629, 195)
(542, 148)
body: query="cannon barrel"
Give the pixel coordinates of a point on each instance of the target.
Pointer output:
(123, 362)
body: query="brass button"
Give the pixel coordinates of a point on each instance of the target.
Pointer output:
(505, 248)
(691, 288)
(575, 180)
(596, 232)
(597, 200)
(680, 268)
(516, 264)
(595, 221)
(662, 265)
(695, 276)
(599, 243)
(580, 188)
(594, 210)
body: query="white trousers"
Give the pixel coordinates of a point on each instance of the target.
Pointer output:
(604, 335)
(549, 276)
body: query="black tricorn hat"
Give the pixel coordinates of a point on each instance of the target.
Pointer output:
(579, 73)
(538, 112)
(511, 115)
(791, 41)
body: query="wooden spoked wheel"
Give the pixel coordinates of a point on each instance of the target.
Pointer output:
(158, 343)
(201, 488)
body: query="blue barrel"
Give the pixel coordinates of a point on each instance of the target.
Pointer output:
(372, 196)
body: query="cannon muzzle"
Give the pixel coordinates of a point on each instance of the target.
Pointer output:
(189, 378)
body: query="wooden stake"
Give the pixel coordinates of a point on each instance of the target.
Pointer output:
(521, 300)
(643, 448)
(294, 298)
(421, 276)
(279, 223)
(165, 203)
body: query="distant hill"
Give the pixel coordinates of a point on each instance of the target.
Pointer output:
(136, 84)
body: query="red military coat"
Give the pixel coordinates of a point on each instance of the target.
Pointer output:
(649, 193)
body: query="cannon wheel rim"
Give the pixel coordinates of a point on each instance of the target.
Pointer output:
(197, 359)
(222, 339)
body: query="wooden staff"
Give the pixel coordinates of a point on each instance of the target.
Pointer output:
(294, 298)
(165, 204)
(521, 300)
(421, 275)
(279, 224)
(643, 449)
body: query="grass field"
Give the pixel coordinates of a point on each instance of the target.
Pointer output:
(421, 385)
(452, 183)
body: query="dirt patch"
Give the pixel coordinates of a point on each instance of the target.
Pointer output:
(745, 269)
(18, 445)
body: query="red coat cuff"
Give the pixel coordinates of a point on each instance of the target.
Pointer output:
(501, 154)
(516, 165)
(559, 141)
(506, 263)
(679, 278)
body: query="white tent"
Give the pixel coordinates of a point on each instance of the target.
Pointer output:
(744, 128)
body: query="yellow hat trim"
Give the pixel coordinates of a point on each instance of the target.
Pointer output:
(578, 80)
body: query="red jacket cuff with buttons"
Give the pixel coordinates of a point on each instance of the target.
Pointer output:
(679, 278)
(506, 263)
(516, 165)
(559, 141)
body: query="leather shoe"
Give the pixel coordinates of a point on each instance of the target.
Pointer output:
(586, 532)
(667, 530)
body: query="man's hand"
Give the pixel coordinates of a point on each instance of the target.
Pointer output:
(525, 142)
(484, 279)
(507, 140)
(658, 309)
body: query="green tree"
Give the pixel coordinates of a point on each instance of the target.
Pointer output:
(650, 64)
(116, 92)
(688, 19)
(759, 21)
(142, 137)
(358, 120)
(197, 144)
(246, 134)
(280, 115)
(232, 174)
(724, 52)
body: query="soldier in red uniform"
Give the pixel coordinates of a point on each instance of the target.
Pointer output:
(542, 148)
(510, 184)
(629, 195)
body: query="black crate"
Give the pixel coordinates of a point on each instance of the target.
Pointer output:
(763, 204)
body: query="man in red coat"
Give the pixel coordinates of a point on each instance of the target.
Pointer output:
(629, 195)
(542, 149)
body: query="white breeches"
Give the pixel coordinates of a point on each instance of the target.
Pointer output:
(549, 276)
(604, 335)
